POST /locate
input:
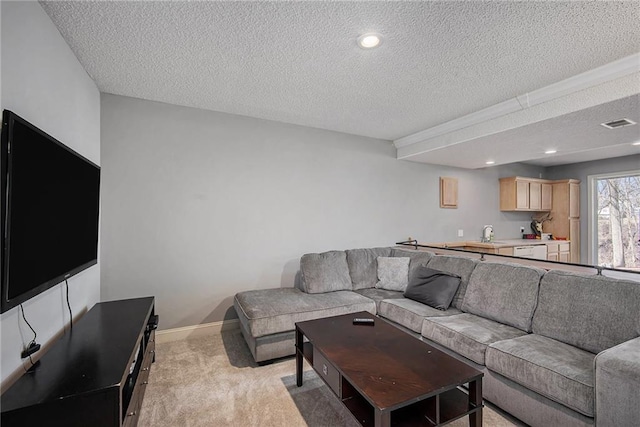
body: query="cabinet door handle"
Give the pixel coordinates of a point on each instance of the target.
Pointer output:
(131, 414)
(145, 382)
(145, 369)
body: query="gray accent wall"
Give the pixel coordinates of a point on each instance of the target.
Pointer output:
(581, 171)
(199, 205)
(43, 82)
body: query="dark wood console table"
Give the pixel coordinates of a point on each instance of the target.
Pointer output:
(95, 375)
(386, 377)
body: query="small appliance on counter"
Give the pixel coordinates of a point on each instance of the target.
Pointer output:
(487, 233)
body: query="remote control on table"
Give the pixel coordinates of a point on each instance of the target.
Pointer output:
(363, 321)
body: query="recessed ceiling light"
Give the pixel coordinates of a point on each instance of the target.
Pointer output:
(369, 40)
(551, 152)
(490, 162)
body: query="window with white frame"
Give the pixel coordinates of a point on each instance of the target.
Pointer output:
(614, 220)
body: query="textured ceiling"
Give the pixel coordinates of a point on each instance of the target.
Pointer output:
(298, 62)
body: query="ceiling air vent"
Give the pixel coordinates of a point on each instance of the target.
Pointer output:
(618, 123)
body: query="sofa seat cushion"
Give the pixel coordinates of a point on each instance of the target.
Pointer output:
(409, 313)
(504, 292)
(378, 295)
(269, 311)
(467, 334)
(363, 266)
(551, 368)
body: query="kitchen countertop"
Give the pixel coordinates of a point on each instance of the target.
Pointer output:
(497, 243)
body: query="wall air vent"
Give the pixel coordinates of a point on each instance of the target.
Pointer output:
(618, 123)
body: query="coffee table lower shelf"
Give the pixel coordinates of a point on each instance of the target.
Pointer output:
(437, 410)
(453, 404)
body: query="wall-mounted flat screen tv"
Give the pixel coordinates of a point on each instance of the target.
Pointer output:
(50, 207)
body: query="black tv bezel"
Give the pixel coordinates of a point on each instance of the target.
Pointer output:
(6, 304)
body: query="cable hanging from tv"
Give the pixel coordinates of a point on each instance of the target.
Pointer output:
(32, 347)
(69, 306)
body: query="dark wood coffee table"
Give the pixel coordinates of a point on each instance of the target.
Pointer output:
(385, 376)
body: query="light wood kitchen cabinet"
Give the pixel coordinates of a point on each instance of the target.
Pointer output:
(546, 198)
(448, 192)
(505, 251)
(559, 251)
(525, 194)
(561, 198)
(574, 235)
(574, 199)
(565, 217)
(535, 196)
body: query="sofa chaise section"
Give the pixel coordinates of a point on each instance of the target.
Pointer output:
(268, 316)
(332, 283)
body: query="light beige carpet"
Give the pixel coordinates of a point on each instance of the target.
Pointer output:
(215, 382)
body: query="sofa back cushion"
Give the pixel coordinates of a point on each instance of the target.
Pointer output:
(460, 266)
(393, 273)
(589, 312)
(504, 292)
(325, 272)
(363, 266)
(418, 258)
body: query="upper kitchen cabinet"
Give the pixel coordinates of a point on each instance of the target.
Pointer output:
(525, 194)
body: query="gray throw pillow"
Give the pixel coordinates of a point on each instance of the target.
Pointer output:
(325, 272)
(434, 288)
(393, 273)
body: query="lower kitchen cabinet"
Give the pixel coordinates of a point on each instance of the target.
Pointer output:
(560, 251)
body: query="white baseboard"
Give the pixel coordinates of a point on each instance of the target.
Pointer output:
(196, 331)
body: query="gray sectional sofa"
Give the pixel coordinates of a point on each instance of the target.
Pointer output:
(556, 348)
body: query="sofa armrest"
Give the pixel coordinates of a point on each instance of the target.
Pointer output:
(617, 381)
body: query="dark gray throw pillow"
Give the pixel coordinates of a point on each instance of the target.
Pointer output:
(432, 287)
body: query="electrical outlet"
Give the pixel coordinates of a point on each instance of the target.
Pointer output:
(461, 233)
(522, 229)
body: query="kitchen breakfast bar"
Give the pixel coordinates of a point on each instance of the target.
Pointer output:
(549, 250)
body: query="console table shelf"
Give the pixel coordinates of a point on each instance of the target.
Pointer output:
(95, 375)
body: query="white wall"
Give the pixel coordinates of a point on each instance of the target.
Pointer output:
(43, 82)
(198, 205)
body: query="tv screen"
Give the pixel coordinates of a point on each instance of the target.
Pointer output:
(50, 210)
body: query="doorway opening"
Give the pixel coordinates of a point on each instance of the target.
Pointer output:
(614, 218)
